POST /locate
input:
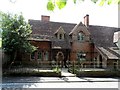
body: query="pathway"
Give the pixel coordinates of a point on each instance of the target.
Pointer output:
(66, 73)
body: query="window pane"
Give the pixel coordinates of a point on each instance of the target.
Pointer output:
(60, 36)
(46, 55)
(39, 55)
(80, 36)
(81, 56)
(33, 55)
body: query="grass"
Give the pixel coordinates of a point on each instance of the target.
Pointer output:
(31, 72)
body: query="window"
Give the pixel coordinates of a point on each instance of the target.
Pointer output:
(70, 36)
(33, 55)
(60, 36)
(80, 36)
(46, 55)
(39, 55)
(81, 56)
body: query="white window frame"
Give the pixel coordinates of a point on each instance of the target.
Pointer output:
(81, 36)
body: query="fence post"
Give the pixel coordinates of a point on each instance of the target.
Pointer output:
(73, 67)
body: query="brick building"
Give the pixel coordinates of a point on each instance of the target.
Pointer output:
(61, 42)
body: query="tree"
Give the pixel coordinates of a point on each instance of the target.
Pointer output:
(15, 34)
(52, 4)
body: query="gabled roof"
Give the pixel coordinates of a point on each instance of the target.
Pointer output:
(48, 29)
(60, 29)
(111, 53)
(102, 36)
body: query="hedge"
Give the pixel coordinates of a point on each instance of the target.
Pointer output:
(98, 73)
(44, 73)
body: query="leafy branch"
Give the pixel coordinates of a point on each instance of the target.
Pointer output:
(52, 4)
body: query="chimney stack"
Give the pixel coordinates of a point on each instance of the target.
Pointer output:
(45, 18)
(86, 20)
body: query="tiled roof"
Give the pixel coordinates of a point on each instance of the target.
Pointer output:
(102, 36)
(60, 44)
(107, 53)
(47, 30)
(110, 52)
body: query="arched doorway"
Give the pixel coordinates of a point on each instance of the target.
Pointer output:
(60, 58)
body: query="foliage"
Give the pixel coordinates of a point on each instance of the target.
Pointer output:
(57, 69)
(52, 4)
(15, 34)
(0, 42)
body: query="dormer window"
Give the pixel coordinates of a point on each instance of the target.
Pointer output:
(60, 36)
(60, 33)
(81, 36)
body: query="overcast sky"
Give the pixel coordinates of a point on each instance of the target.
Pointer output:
(106, 15)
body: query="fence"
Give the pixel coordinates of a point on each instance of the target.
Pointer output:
(74, 66)
(71, 65)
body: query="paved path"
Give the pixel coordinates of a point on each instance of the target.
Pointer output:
(66, 73)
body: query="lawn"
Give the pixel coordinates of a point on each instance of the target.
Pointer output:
(31, 72)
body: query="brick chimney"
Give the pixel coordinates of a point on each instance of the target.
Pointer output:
(45, 18)
(86, 20)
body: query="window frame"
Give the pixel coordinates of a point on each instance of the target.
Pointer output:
(38, 55)
(34, 55)
(81, 36)
(46, 55)
(60, 36)
(81, 56)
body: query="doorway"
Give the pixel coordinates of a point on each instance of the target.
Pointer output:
(60, 58)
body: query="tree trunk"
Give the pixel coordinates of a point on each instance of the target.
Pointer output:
(12, 61)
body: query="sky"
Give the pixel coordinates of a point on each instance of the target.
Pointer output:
(106, 15)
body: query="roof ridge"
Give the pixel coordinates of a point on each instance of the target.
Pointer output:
(105, 26)
(52, 22)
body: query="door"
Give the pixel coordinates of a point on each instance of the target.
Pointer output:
(60, 59)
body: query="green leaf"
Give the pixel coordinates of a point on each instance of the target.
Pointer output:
(95, 1)
(74, 1)
(118, 1)
(109, 2)
(61, 3)
(50, 5)
(102, 2)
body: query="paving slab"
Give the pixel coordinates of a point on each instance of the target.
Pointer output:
(65, 72)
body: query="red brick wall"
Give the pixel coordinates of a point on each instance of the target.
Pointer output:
(86, 47)
(41, 45)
